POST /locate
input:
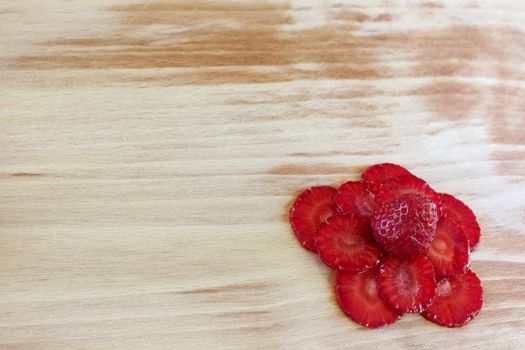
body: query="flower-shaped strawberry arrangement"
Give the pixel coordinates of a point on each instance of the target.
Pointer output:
(398, 246)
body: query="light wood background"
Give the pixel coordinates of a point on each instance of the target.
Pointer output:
(149, 153)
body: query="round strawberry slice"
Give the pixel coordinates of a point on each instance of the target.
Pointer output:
(359, 298)
(458, 300)
(463, 216)
(311, 208)
(449, 251)
(408, 284)
(353, 198)
(345, 243)
(384, 172)
(401, 185)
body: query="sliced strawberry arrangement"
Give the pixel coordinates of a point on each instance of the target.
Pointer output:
(408, 284)
(449, 251)
(458, 299)
(463, 216)
(346, 243)
(311, 208)
(354, 198)
(359, 298)
(423, 236)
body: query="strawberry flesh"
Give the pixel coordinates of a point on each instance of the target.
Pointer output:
(463, 216)
(449, 251)
(346, 243)
(359, 298)
(353, 198)
(408, 284)
(383, 172)
(405, 184)
(458, 300)
(311, 208)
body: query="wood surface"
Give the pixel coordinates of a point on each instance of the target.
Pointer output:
(150, 150)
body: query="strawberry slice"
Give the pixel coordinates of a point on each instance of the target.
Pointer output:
(346, 243)
(359, 298)
(458, 300)
(449, 251)
(401, 185)
(463, 216)
(353, 198)
(408, 284)
(384, 172)
(311, 208)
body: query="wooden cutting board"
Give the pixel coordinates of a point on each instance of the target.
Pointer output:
(150, 152)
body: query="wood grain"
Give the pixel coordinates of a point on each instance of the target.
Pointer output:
(151, 150)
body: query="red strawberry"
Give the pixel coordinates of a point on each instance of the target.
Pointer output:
(408, 284)
(311, 208)
(345, 243)
(353, 198)
(401, 185)
(383, 172)
(463, 216)
(359, 298)
(458, 300)
(449, 250)
(406, 225)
